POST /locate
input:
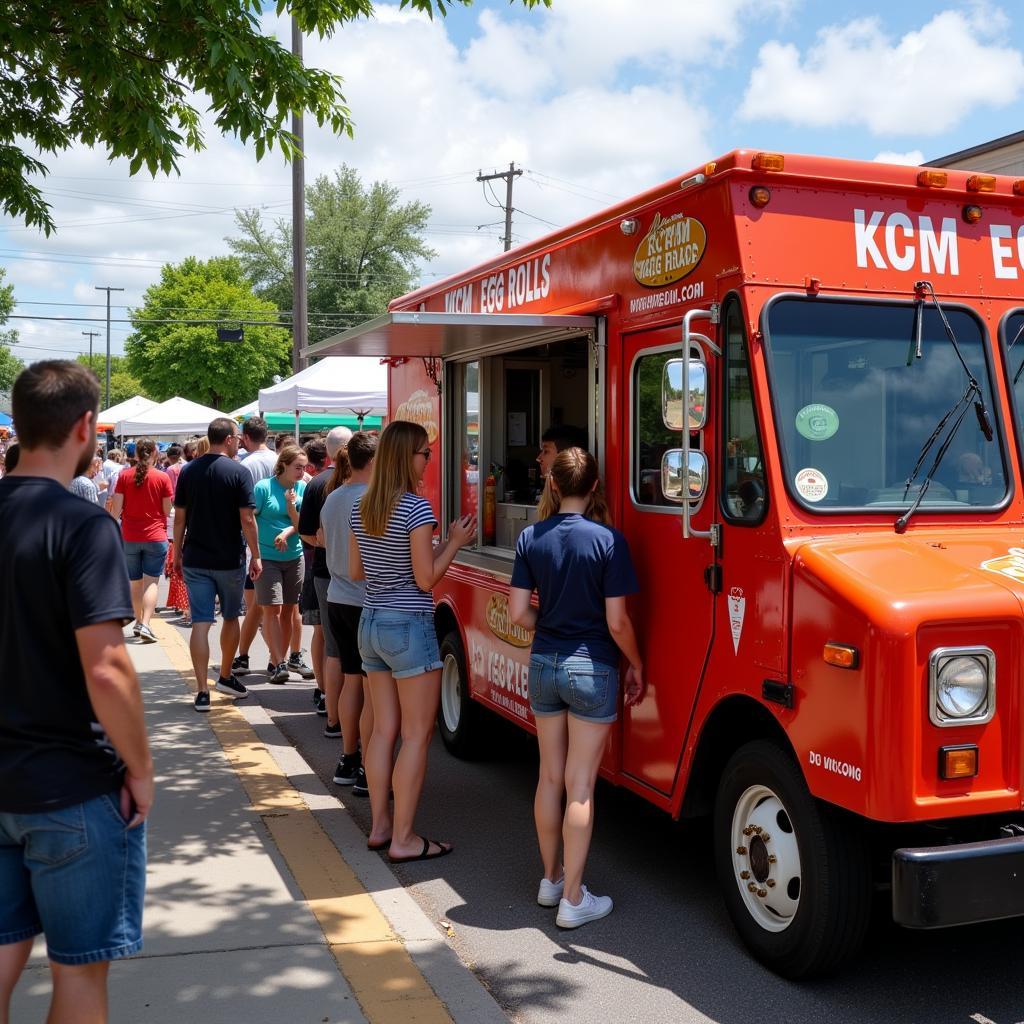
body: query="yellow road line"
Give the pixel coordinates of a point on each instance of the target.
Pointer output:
(388, 985)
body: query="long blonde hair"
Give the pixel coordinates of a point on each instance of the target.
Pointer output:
(393, 474)
(202, 447)
(575, 471)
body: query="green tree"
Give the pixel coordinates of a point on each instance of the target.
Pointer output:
(124, 75)
(123, 384)
(187, 359)
(362, 247)
(10, 364)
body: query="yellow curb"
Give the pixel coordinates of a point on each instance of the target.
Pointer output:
(389, 986)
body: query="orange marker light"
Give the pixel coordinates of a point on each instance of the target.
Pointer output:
(759, 196)
(841, 655)
(958, 762)
(981, 183)
(1018, 187)
(768, 162)
(932, 179)
(709, 168)
(972, 214)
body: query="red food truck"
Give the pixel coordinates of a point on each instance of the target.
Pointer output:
(802, 378)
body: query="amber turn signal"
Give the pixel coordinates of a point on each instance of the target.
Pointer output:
(759, 196)
(981, 183)
(1018, 187)
(932, 179)
(768, 162)
(958, 762)
(841, 655)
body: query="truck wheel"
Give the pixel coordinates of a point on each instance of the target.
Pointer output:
(458, 716)
(794, 872)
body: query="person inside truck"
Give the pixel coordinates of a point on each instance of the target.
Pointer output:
(582, 572)
(556, 439)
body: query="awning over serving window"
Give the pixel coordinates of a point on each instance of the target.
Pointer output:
(448, 334)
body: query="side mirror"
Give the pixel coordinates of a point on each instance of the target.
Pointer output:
(672, 483)
(672, 394)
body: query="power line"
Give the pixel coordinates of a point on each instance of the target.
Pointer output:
(510, 175)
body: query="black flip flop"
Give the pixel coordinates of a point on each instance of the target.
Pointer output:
(443, 849)
(384, 844)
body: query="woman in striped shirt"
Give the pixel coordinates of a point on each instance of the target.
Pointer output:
(391, 548)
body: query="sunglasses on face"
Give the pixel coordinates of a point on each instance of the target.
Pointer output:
(425, 453)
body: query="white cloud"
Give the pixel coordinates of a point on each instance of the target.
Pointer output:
(913, 158)
(925, 83)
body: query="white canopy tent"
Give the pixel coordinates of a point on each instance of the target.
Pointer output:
(175, 416)
(358, 385)
(125, 410)
(244, 411)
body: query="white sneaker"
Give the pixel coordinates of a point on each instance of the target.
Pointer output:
(550, 893)
(590, 908)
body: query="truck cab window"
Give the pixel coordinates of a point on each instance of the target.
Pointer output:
(745, 486)
(853, 412)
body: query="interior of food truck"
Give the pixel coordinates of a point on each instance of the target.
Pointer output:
(501, 405)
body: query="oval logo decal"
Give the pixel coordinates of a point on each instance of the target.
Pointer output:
(502, 627)
(670, 250)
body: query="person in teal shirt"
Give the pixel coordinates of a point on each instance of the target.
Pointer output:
(278, 500)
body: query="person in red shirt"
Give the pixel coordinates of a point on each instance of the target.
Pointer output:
(142, 502)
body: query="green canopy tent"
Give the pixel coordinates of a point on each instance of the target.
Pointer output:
(312, 422)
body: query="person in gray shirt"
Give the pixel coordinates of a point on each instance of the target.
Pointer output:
(345, 598)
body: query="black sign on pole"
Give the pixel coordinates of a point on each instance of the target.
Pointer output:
(227, 334)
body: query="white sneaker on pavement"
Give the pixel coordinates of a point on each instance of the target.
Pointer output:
(590, 908)
(550, 893)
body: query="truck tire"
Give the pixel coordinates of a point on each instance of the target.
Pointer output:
(458, 715)
(795, 872)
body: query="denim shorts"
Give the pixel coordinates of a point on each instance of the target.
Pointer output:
(145, 557)
(586, 689)
(79, 876)
(204, 586)
(402, 643)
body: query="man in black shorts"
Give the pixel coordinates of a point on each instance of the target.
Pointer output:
(76, 777)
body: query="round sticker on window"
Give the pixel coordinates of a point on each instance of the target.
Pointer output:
(817, 422)
(811, 485)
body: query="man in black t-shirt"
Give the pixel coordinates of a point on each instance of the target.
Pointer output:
(213, 510)
(76, 777)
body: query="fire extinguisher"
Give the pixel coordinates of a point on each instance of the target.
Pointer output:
(490, 507)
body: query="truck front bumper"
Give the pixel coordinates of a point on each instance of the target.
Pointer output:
(941, 886)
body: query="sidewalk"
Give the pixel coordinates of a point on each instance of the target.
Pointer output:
(263, 903)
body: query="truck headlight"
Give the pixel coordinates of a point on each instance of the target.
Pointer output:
(961, 685)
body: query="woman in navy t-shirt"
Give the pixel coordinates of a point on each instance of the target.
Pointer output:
(390, 546)
(582, 572)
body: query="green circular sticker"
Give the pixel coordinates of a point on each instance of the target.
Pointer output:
(817, 422)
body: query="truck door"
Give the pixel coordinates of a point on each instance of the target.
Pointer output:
(674, 612)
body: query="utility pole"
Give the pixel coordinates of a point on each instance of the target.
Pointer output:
(91, 335)
(106, 288)
(299, 318)
(508, 175)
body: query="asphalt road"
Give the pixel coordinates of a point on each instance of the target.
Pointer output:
(668, 953)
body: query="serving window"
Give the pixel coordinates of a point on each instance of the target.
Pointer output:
(500, 406)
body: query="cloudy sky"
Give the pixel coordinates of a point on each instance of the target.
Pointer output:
(595, 99)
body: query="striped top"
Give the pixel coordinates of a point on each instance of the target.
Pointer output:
(387, 560)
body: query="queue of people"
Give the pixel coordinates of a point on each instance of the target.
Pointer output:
(370, 562)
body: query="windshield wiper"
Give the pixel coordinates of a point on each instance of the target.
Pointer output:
(1016, 338)
(955, 414)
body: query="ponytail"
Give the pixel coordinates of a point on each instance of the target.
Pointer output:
(143, 453)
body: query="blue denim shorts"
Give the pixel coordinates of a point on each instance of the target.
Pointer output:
(79, 876)
(402, 643)
(204, 586)
(145, 557)
(585, 688)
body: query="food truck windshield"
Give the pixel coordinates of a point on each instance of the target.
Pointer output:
(504, 404)
(854, 406)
